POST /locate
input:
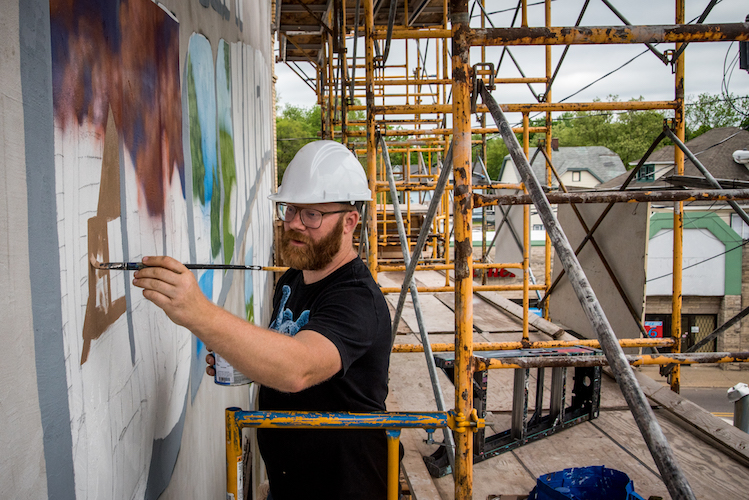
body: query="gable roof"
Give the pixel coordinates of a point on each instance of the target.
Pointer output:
(714, 149)
(600, 161)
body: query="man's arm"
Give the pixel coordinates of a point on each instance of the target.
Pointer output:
(288, 364)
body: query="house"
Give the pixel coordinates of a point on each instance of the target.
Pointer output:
(580, 167)
(714, 149)
(713, 258)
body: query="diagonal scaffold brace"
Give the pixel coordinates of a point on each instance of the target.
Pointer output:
(673, 477)
(409, 283)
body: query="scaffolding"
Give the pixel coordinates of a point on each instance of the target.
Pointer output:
(419, 105)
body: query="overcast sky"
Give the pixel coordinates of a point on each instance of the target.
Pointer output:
(709, 66)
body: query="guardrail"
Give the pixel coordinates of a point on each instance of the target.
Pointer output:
(391, 422)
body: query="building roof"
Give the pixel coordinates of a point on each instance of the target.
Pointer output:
(714, 149)
(600, 161)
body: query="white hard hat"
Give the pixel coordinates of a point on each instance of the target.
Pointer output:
(323, 172)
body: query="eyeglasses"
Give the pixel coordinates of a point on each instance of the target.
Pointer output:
(312, 219)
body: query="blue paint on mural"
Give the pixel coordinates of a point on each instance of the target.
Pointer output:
(201, 76)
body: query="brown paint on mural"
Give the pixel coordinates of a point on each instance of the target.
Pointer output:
(123, 56)
(101, 310)
(151, 99)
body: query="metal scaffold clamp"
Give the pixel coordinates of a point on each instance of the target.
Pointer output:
(459, 423)
(476, 76)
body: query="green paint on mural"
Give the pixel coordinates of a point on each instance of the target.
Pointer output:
(196, 150)
(250, 310)
(216, 216)
(227, 65)
(229, 177)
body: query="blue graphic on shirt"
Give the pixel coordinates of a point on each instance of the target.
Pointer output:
(284, 322)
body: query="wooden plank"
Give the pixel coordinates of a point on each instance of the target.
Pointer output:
(431, 278)
(410, 387)
(547, 327)
(407, 338)
(403, 328)
(582, 446)
(500, 475)
(698, 421)
(710, 473)
(390, 280)
(421, 483)
(423, 278)
(438, 318)
(611, 395)
(485, 317)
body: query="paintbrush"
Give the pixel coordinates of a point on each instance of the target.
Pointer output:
(135, 266)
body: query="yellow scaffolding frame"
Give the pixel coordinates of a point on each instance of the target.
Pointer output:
(445, 97)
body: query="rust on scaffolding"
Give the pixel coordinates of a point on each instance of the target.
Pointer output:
(631, 196)
(422, 103)
(610, 34)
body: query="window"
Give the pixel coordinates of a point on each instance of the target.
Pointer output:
(646, 173)
(738, 225)
(576, 176)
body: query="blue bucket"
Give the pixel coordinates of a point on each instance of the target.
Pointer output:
(585, 483)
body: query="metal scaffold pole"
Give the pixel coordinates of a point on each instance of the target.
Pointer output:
(411, 283)
(673, 477)
(462, 213)
(371, 144)
(677, 265)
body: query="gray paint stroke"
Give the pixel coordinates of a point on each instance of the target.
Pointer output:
(36, 81)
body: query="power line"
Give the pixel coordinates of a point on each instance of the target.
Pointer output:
(727, 75)
(512, 9)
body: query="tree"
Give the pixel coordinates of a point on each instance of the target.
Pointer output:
(496, 150)
(295, 127)
(300, 125)
(629, 134)
(706, 112)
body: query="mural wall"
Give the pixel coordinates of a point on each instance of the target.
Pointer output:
(147, 131)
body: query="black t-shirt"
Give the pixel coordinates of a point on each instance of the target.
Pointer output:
(349, 309)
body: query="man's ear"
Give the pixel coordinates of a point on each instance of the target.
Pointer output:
(350, 221)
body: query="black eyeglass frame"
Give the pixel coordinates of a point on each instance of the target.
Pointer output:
(298, 210)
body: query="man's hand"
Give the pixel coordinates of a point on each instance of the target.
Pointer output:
(171, 286)
(210, 360)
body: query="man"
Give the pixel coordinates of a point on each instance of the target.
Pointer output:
(328, 345)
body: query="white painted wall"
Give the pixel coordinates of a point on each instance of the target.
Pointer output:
(22, 467)
(587, 180)
(139, 414)
(707, 277)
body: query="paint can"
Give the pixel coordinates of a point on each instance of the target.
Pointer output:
(226, 374)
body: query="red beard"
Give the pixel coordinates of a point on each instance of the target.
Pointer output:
(314, 256)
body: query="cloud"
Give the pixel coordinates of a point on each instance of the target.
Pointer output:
(646, 76)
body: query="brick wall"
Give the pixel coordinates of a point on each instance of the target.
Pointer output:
(743, 327)
(661, 304)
